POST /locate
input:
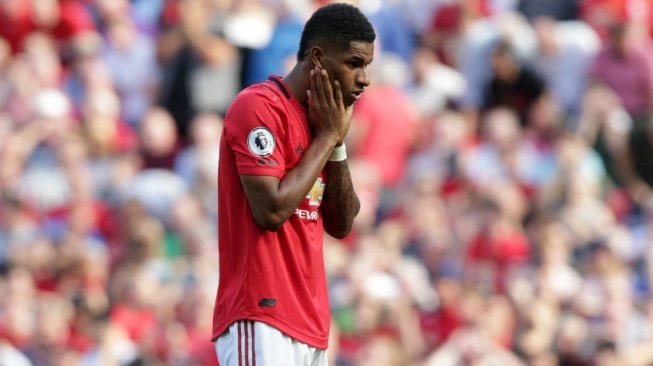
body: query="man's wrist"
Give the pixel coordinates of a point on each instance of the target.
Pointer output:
(339, 153)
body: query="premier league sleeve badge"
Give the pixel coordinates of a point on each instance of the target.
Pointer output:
(260, 141)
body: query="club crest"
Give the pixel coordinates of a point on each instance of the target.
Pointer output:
(260, 141)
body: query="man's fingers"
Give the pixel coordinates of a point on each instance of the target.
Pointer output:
(328, 90)
(338, 94)
(319, 83)
(314, 100)
(312, 83)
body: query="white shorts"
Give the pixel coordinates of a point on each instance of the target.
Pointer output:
(252, 343)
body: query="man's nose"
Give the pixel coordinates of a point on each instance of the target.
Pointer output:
(363, 77)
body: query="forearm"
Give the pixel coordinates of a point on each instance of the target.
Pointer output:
(299, 180)
(340, 204)
(273, 203)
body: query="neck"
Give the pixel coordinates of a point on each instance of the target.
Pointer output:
(298, 81)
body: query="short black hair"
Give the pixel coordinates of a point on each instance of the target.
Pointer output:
(337, 25)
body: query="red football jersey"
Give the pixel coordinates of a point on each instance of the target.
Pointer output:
(274, 277)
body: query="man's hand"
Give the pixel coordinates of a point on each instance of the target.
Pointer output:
(327, 113)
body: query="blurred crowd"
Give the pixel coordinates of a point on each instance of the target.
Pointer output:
(503, 156)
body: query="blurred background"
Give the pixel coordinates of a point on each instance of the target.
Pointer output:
(503, 156)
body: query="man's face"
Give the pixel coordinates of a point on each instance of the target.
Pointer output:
(349, 67)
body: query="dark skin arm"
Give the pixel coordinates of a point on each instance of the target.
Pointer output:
(340, 205)
(274, 200)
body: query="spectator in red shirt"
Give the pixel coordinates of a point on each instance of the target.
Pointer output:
(63, 19)
(15, 25)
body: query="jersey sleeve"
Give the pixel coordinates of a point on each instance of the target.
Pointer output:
(254, 132)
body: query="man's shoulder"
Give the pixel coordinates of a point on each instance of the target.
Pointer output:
(263, 91)
(261, 100)
(258, 99)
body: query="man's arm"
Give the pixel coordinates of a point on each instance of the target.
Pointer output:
(273, 200)
(340, 204)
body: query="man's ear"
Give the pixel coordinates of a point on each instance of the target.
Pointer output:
(316, 53)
